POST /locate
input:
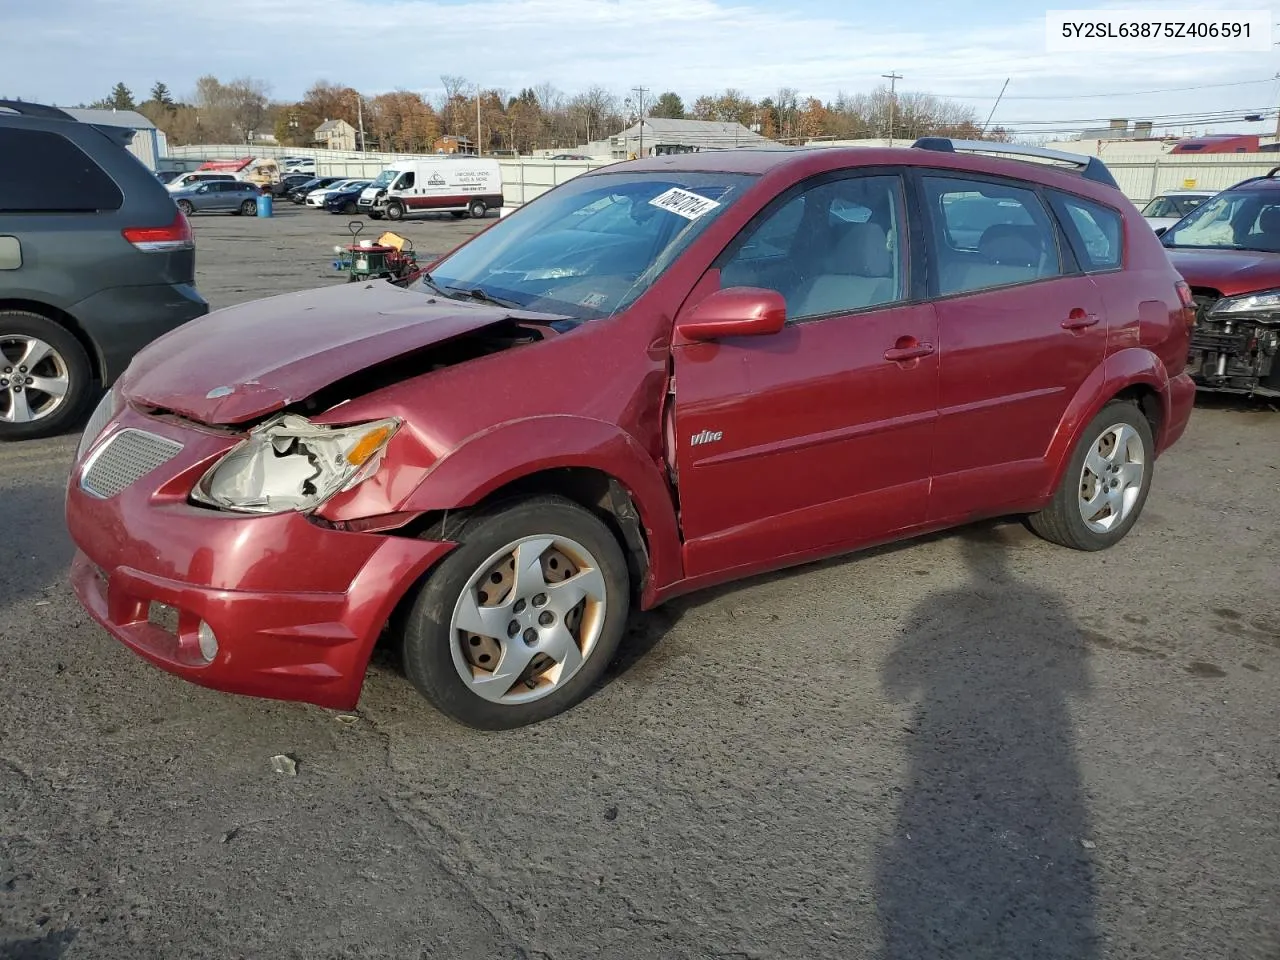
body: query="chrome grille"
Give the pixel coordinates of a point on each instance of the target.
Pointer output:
(125, 458)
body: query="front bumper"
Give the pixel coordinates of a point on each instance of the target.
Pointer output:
(296, 607)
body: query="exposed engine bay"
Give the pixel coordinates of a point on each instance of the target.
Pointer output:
(1234, 351)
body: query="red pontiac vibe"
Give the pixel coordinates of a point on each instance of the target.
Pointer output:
(658, 376)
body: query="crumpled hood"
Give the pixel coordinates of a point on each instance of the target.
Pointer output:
(244, 362)
(1231, 272)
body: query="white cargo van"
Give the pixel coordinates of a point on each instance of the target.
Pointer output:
(444, 184)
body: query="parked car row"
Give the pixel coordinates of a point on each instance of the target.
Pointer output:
(459, 185)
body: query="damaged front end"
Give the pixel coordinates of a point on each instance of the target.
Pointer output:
(1235, 343)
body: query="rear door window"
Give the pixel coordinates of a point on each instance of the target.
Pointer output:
(989, 234)
(43, 172)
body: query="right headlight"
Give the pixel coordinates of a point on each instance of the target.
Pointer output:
(291, 464)
(102, 416)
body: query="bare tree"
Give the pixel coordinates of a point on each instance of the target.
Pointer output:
(248, 105)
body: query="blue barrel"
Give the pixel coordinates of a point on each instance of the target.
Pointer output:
(264, 205)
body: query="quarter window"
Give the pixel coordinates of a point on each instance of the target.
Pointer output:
(836, 247)
(42, 172)
(1098, 232)
(989, 235)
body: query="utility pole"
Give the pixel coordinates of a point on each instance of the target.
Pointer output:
(478, 148)
(360, 119)
(893, 79)
(640, 92)
(1277, 77)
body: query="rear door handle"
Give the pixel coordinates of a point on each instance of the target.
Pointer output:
(1077, 319)
(908, 348)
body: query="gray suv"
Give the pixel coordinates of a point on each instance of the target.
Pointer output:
(96, 261)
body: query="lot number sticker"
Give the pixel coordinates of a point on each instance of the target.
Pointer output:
(683, 203)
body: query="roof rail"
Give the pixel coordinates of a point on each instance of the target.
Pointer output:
(1091, 168)
(25, 109)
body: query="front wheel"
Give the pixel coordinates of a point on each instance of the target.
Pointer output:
(395, 211)
(249, 208)
(1106, 482)
(350, 208)
(519, 622)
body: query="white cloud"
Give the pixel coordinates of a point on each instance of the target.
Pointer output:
(691, 46)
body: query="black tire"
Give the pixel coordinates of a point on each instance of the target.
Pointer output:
(428, 655)
(395, 211)
(249, 208)
(81, 387)
(1061, 521)
(350, 208)
(478, 209)
(187, 207)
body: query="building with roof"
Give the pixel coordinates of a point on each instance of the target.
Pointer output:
(335, 135)
(655, 136)
(146, 144)
(454, 144)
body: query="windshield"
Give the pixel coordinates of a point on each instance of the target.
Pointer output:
(1233, 220)
(1172, 206)
(594, 245)
(384, 178)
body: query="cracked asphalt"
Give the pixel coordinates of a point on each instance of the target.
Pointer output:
(974, 745)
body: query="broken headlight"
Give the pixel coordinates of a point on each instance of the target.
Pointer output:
(1264, 301)
(290, 463)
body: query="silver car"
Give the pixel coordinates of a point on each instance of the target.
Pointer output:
(219, 196)
(1172, 205)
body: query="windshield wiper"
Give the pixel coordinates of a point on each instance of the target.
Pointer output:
(476, 293)
(426, 280)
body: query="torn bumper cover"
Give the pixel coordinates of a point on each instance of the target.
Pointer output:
(1234, 345)
(276, 606)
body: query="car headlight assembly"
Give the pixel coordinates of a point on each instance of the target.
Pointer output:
(103, 414)
(1264, 302)
(291, 464)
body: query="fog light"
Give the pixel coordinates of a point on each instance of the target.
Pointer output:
(208, 642)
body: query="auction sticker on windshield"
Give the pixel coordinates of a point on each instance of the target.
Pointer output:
(685, 204)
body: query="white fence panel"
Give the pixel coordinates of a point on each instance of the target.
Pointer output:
(525, 178)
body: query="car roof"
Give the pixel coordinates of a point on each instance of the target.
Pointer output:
(809, 161)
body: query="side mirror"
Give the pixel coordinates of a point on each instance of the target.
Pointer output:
(736, 312)
(1161, 231)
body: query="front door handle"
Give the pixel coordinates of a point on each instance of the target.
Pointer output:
(908, 348)
(1078, 319)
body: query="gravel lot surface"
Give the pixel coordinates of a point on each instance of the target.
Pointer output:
(974, 745)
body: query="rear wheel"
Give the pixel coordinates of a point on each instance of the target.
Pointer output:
(395, 211)
(1106, 482)
(187, 207)
(478, 209)
(45, 377)
(521, 619)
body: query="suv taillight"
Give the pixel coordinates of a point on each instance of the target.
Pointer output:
(176, 236)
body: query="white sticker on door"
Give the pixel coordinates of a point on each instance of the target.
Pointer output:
(683, 203)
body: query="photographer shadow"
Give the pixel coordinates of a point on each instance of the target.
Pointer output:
(990, 853)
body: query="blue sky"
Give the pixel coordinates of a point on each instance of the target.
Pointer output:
(819, 47)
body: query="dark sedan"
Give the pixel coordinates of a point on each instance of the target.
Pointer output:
(345, 201)
(299, 193)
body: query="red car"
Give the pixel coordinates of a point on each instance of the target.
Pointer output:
(661, 375)
(1228, 250)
